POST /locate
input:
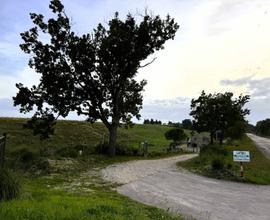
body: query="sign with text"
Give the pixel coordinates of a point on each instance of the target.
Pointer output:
(241, 156)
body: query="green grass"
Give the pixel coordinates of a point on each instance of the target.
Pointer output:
(80, 133)
(42, 200)
(257, 171)
(75, 190)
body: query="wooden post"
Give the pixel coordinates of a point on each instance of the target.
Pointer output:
(241, 169)
(2, 149)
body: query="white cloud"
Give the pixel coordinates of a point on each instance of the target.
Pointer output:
(7, 83)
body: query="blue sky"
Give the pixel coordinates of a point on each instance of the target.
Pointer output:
(222, 45)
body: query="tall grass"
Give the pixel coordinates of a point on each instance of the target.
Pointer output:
(9, 185)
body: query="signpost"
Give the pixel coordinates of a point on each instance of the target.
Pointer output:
(241, 156)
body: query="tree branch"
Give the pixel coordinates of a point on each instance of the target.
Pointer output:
(147, 64)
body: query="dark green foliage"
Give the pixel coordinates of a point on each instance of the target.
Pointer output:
(175, 134)
(9, 185)
(152, 122)
(25, 155)
(174, 124)
(218, 112)
(217, 164)
(187, 124)
(67, 152)
(120, 150)
(263, 127)
(93, 74)
(237, 130)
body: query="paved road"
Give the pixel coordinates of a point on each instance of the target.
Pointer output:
(262, 143)
(161, 184)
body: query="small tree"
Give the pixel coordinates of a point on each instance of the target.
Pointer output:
(175, 134)
(187, 124)
(93, 74)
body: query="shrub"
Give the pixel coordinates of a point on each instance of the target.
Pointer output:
(119, 149)
(175, 134)
(9, 186)
(217, 164)
(26, 156)
(67, 152)
(229, 166)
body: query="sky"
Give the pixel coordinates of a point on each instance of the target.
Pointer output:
(221, 45)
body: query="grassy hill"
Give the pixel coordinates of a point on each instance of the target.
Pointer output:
(57, 187)
(75, 134)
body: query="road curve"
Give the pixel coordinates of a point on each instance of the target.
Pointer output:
(262, 143)
(164, 186)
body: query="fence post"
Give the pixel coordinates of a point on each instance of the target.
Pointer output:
(2, 150)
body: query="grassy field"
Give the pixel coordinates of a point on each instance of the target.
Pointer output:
(257, 171)
(71, 188)
(73, 134)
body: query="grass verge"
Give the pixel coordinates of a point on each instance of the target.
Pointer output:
(257, 171)
(74, 190)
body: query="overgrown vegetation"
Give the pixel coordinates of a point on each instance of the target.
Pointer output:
(216, 161)
(9, 185)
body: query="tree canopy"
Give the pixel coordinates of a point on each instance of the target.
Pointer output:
(187, 124)
(175, 134)
(263, 127)
(93, 74)
(218, 112)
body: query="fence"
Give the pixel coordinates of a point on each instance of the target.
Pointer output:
(2, 150)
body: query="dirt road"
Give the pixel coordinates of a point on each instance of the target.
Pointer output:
(159, 183)
(262, 143)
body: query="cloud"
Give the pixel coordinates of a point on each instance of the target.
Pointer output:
(259, 91)
(258, 88)
(166, 110)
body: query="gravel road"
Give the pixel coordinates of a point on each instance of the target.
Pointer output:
(262, 143)
(161, 184)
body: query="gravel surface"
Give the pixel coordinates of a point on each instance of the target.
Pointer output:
(262, 143)
(161, 184)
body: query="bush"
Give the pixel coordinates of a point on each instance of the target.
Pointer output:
(119, 149)
(26, 156)
(9, 186)
(217, 164)
(67, 152)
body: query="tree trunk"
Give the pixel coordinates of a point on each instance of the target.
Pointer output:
(212, 137)
(221, 138)
(112, 139)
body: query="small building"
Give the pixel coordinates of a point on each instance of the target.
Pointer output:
(198, 140)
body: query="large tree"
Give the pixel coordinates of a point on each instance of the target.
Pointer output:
(93, 74)
(218, 112)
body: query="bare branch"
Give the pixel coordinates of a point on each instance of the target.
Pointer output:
(147, 64)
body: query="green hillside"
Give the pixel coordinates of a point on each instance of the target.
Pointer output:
(74, 134)
(56, 187)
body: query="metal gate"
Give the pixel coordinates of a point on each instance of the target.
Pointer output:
(2, 149)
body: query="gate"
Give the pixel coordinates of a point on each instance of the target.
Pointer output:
(2, 149)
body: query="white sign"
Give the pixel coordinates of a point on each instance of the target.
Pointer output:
(241, 156)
